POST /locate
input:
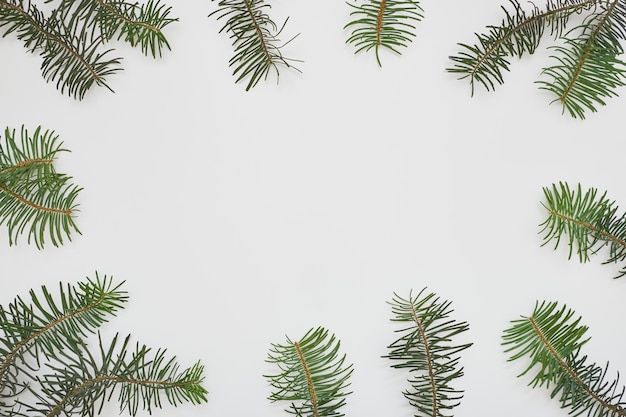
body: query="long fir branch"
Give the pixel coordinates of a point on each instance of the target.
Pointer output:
(520, 32)
(41, 324)
(80, 383)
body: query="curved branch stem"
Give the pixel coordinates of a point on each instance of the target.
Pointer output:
(58, 408)
(11, 356)
(29, 203)
(520, 26)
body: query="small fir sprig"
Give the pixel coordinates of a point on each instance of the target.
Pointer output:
(551, 340)
(47, 367)
(427, 350)
(73, 38)
(385, 24)
(255, 40)
(587, 68)
(34, 198)
(312, 375)
(589, 220)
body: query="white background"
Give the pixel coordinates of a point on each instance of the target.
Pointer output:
(237, 218)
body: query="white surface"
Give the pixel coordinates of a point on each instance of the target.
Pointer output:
(238, 217)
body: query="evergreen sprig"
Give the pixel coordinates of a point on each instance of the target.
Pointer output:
(137, 24)
(48, 368)
(383, 24)
(589, 219)
(255, 40)
(34, 198)
(312, 375)
(587, 69)
(427, 350)
(551, 340)
(72, 39)
(78, 382)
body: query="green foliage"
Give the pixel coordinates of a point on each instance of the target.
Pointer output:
(551, 340)
(587, 68)
(589, 220)
(425, 348)
(383, 23)
(255, 40)
(34, 198)
(47, 367)
(73, 39)
(312, 375)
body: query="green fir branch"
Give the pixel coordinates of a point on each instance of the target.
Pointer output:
(41, 325)
(136, 24)
(590, 221)
(255, 40)
(551, 340)
(383, 24)
(588, 69)
(519, 32)
(34, 198)
(47, 367)
(76, 382)
(312, 375)
(72, 39)
(70, 58)
(426, 349)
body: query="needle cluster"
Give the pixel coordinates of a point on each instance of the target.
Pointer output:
(35, 199)
(588, 220)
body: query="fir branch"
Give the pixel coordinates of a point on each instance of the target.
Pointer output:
(42, 324)
(255, 40)
(312, 375)
(519, 33)
(69, 57)
(34, 198)
(425, 349)
(383, 23)
(134, 23)
(589, 220)
(77, 382)
(588, 69)
(553, 338)
(72, 39)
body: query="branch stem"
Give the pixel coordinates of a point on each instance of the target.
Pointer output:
(309, 380)
(429, 360)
